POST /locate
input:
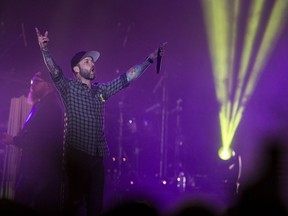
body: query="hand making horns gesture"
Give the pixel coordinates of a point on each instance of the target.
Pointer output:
(42, 39)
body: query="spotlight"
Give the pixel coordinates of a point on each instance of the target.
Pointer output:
(233, 86)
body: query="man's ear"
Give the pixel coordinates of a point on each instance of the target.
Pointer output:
(76, 69)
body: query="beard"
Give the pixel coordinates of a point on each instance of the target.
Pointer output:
(87, 74)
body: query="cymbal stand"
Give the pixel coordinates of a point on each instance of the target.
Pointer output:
(120, 139)
(179, 170)
(163, 135)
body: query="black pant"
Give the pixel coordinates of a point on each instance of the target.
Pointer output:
(85, 182)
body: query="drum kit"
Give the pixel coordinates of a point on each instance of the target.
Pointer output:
(142, 152)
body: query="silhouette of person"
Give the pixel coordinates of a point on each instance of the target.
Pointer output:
(41, 142)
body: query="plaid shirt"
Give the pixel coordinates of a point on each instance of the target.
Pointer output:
(84, 122)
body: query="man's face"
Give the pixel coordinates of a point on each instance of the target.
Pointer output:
(87, 69)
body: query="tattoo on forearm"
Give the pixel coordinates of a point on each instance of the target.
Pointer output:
(136, 71)
(50, 63)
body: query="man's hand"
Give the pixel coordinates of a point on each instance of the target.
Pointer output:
(42, 39)
(158, 51)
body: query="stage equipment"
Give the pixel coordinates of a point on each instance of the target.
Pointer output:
(19, 110)
(236, 79)
(159, 57)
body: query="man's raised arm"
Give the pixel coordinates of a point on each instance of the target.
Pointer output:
(49, 61)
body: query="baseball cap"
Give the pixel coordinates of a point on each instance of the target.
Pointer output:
(83, 54)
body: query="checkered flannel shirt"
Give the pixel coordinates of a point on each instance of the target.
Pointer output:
(84, 122)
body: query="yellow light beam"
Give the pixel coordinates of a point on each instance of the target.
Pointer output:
(232, 45)
(222, 35)
(276, 22)
(217, 27)
(250, 37)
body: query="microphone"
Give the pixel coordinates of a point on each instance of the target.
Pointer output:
(159, 57)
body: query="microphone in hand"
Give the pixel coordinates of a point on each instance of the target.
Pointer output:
(159, 56)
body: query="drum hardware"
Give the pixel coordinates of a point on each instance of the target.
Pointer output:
(154, 107)
(181, 182)
(120, 139)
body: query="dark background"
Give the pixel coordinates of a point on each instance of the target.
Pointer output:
(125, 32)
